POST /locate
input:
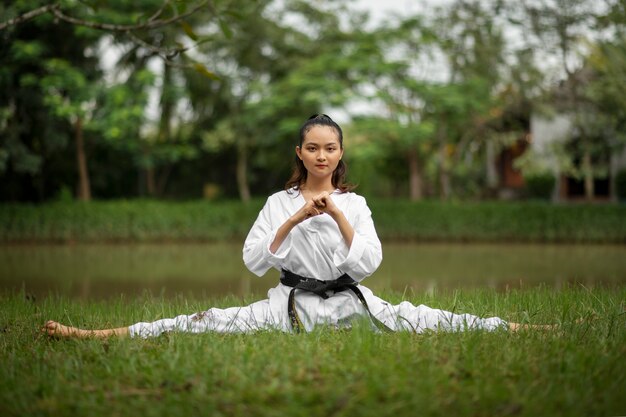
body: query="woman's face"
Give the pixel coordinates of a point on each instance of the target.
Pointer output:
(320, 151)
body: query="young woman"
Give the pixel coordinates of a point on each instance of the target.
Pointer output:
(322, 239)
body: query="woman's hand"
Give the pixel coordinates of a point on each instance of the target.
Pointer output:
(325, 204)
(308, 210)
(321, 203)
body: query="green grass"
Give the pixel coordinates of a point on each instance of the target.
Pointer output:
(578, 371)
(150, 220)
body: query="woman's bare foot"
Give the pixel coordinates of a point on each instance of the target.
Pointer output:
(515, 327)
(56, 329)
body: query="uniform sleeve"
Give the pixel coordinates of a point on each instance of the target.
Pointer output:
(365, 254)
(256, 249)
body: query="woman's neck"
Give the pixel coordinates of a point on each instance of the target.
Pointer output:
(313, 185)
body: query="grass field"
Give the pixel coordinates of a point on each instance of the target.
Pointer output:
(579, 370)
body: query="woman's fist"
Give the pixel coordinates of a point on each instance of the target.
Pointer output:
(325, 204)
(308, 210)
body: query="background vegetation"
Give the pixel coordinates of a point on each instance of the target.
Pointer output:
(204, 98)
(203, 221)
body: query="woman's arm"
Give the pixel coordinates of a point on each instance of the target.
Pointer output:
(266, 245)
(307, 211)
(256, 254)
(325, 204)
(361, 253)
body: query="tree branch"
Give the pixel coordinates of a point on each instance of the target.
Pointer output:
(165, 53)
(124, 28)
(158, 12)
(152, 22)
(28, 15)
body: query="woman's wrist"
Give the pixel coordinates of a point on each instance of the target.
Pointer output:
(335, 214)
(282, 233)
(292, 222)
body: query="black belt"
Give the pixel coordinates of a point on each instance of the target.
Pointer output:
(321, 288)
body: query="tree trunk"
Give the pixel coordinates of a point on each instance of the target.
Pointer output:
(155, 183)
(242, 172)
(415, 176)
(613, 170)
(167, 104)
(84, 189)
(588, 175)
(162, 181)
(150, 183)
(492, 172)
(444, 175)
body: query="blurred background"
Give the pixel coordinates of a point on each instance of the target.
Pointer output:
(468, 99)
(174, 101)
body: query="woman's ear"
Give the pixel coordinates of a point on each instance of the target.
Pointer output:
(299, 152)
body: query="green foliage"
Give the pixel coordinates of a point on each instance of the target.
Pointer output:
(498, 221)
(620, 184)
(576, 371)
(139, 220)
(147, 220)
(446, 87)
(43, 66)
(66, 90)
(540, 186)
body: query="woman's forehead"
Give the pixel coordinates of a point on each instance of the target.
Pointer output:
(321, 135)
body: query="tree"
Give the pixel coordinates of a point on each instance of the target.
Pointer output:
(400, 126)
(70, 96)
(559, 28)
(67, 86)
(274, 73)
(468, 34)
(128, 19)
(34, 130)
(443, 112)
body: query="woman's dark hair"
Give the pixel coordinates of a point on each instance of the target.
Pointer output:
(299, 174)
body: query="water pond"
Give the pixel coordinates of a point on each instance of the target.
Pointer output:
(215, 270)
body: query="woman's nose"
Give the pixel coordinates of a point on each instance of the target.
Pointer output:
(321, 156)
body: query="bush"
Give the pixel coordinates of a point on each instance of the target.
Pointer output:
(540, 186)
(499, 221)
(620, 185)
(148, 220)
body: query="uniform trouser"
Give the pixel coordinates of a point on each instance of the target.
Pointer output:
(259, 316)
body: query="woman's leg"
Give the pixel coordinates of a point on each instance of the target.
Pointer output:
(53, 328)
(409, 317)
(417, 319)
(256, 316)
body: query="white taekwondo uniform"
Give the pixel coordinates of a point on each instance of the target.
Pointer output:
(315, 248)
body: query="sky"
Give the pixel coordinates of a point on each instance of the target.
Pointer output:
(380, 9)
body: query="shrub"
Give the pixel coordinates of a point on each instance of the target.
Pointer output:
(148, 220)
(540, 185)
(620, 185)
